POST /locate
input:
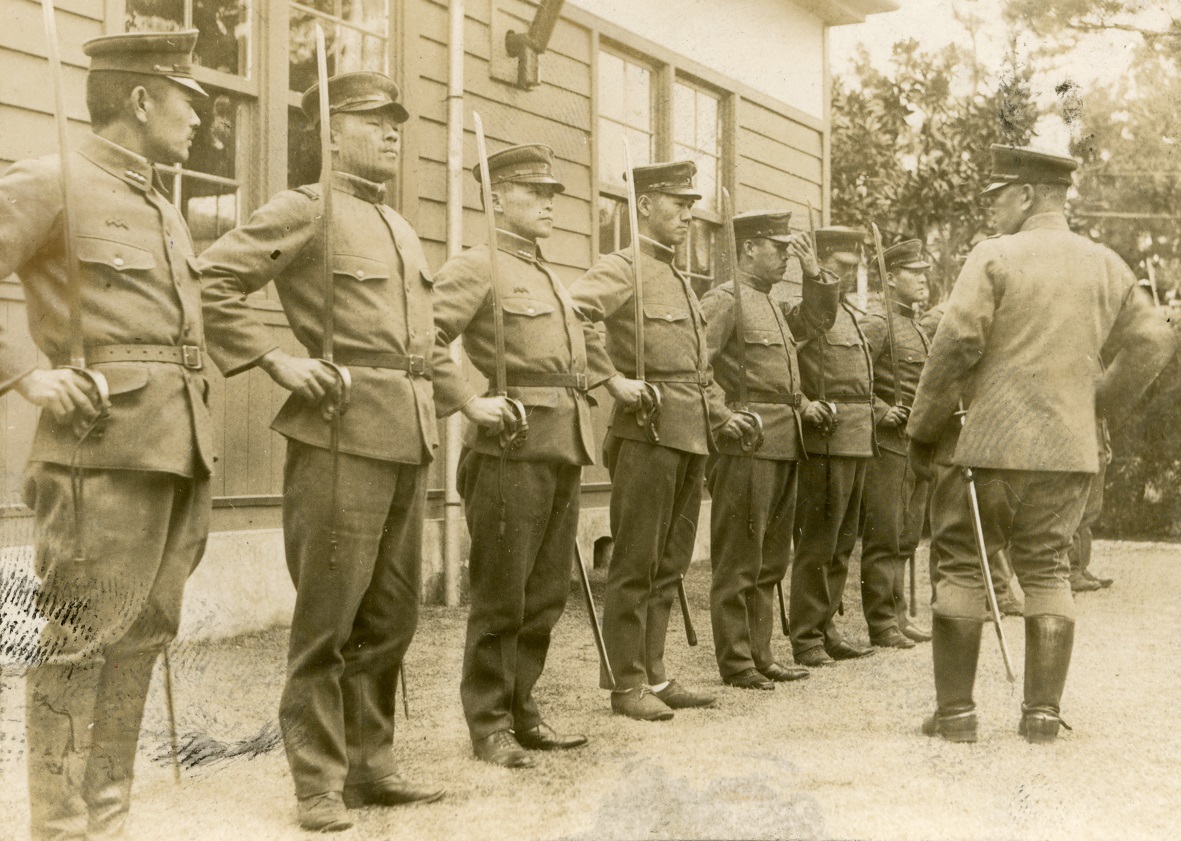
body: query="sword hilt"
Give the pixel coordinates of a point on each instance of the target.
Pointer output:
(751, 441)
(98, 425)
(515, 430)
(343, 395)
(647, 415)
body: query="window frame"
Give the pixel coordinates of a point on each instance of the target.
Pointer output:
(666, 74)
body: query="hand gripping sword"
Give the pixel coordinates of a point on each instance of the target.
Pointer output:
(593, 614)
(985, 568)
(515, 431)
(335, 404)
(647, 416)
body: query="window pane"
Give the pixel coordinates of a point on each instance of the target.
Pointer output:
(357, 51)
(684, 115)
(154, 15)
(370, 15)
(215, 146)
(328, 7)
(224, 42)
(611, 86)
(707, 180)
(611, 152)
(614, 232)
(702, 240)
(301, 43)
(638, 90)
(210, 209)
(707, 123)
(640, 145)
(303, 150)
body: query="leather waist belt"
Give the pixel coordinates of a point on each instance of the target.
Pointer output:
(857, 398)
(415, 364)
(538, 379)
(189, 356)
(772, 398)
(692, 377)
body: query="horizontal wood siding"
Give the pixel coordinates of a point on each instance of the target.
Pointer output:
(779, 161)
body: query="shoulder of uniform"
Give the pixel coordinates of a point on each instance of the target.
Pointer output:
(876, 315)
(854, 307)
(309, 191)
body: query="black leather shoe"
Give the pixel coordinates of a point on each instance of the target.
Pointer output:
(502, 749)
(814, 658)
(956, 727)
(1081, 584)
(677, 697)
(544, 737)
(324, 813)
(893, 638)
(847, 651)
(779, 673)
(392, 791)
(914, 632)
(1102, 582)
(750, 679)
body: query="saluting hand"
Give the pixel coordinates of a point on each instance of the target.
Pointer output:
(492, 413)
(62, 391)
(311, 379)
(632, 394)
(801, 248)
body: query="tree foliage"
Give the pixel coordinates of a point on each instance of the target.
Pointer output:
(910, 147)
(1150, 19)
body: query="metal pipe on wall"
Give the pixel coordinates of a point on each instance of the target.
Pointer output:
(453, 523)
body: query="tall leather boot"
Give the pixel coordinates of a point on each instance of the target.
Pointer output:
(955, 648)
(1048, 643)
(59, 709)
(118, 715)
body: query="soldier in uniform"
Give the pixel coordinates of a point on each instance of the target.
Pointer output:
(1019, 345)
(836, 369)
(121, 502)
(754, 494)
(892, 526)
(1082, 580)
(521, 501)
(657, 463)
(354, 495)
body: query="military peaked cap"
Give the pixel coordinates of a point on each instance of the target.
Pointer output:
(1024, 165)
(364, 90)
(167, 54)
(531, 163)
(906, 255)
(674, 178)
(839, 240)
(763, 224)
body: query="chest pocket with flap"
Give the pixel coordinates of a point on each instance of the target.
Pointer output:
(120, 256)
(359, 268)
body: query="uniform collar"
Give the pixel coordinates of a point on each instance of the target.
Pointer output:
(122, 163)
(518, 246)
(755, 282)
(1052, 221)
(362, 188)
(654, 249)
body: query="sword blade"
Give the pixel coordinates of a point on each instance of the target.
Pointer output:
(501, 383)
(329, 316)
(877, 243)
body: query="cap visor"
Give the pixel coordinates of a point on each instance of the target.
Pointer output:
(191, 84)
(399, 113)
(849, 258)
(917, 264)
(680, 191)
(994, 186)
(784, 238)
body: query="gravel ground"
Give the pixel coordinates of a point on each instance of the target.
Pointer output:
(838, 756)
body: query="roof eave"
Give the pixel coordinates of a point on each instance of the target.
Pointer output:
(843, 12)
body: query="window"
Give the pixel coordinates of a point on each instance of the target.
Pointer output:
(628, 93)
(208, 187)
(356, 37)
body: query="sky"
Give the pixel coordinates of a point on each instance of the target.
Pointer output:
(933, 24)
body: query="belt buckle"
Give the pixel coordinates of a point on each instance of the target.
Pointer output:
(580, 381)
(190, 357)
(416, 365)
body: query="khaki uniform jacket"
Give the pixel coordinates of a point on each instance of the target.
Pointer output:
(836, 367)
(544, 336)
(139, 287)
(1020, 343)
(676, 355)
(770, 336)
(910, 352)
(383, 305)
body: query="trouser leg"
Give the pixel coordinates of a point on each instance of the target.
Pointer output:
(853, 480)
(746, 499)
(777, 553)
(817, 579)
(382, 630)
(109, 610)
(674, 563)
(546, 591)
(881, 541)
(645, 484)
(331, 585)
